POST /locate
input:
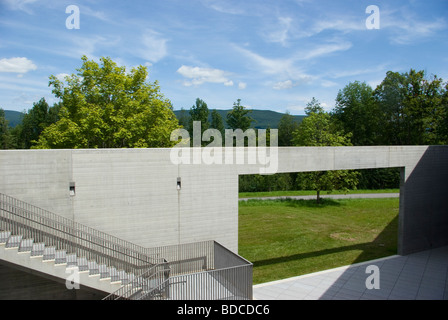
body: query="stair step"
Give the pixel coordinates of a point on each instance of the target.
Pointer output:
(4, 236)
(93, 268)
(82, 264)
(38, 249)
(71, 260)
(26, 245)
(14, 241)
(114, 274)
(123, 277)
(104, 271)
(49, 253)
(137, 287)
(60, 257)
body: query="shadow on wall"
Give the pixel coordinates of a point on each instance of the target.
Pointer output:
(423, 217)
(422, 225)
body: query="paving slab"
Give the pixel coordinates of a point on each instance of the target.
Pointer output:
(418, 276)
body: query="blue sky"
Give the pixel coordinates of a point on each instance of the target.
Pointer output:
(274, 55)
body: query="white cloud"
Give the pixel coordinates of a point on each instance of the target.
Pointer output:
(224, 7)
(325, 49)
(374, 83)
(93, 13)
(242, 85)
(153, 46)
(381, 68)
(282, 85)
(328, 83)
(16, 65)
(290, 67)
(281, 33)
(199, 75)
(410, 30)
(62, 76)
(267, 65)
(21, 5)
(88, 46)
(345, 25)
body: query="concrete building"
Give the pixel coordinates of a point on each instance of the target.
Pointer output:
(145, 197)
(166, 197)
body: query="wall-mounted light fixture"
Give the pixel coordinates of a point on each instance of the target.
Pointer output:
(179, 184)
(72, 188)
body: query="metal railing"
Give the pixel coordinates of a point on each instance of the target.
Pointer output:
(60, 233)
(145, 284)
(200, 270)
(204, 270)
(233, 283)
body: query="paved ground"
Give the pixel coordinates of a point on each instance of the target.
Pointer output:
(418, 276)
(331, 196)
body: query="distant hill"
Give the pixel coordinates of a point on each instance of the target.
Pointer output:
(263, 118)
(14, 117)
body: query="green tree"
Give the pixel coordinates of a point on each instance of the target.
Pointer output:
(35, 121)
(317, 129)
(238, 117)
(442, 119)
(199, 112)
(314, 106)
(410, 105)
(356, 112)
(5, 136)
(217, 122)
(103, 106)
(184, 119)
(286, 126)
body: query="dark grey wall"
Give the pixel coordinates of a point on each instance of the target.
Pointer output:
(20, 285)
(423, 217)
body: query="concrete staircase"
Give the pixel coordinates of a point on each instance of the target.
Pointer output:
(45, 244)
(60, 265)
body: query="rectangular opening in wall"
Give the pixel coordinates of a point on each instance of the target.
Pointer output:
(286, 230)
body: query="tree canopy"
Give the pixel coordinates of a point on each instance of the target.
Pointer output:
(411, 108)
(286, 126)
(5, 137)
(238, 117)
(199, 112)
(103, 106)
(357, 113)
(317, 129)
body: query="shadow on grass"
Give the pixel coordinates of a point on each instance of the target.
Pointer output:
(385, 244)
(296, 203)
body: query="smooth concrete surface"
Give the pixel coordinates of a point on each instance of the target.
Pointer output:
(417, 276)
(132, 193)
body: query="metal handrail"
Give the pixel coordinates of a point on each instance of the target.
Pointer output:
(144, 278)
(56, 231)
(206, 265)
(164, 284)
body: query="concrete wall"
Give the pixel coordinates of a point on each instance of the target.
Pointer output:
(423, 217)
(131, 193)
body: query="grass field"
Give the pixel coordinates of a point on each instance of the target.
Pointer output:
(286, 238)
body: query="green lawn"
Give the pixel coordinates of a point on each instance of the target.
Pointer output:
(286, 238)
(308, 193)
